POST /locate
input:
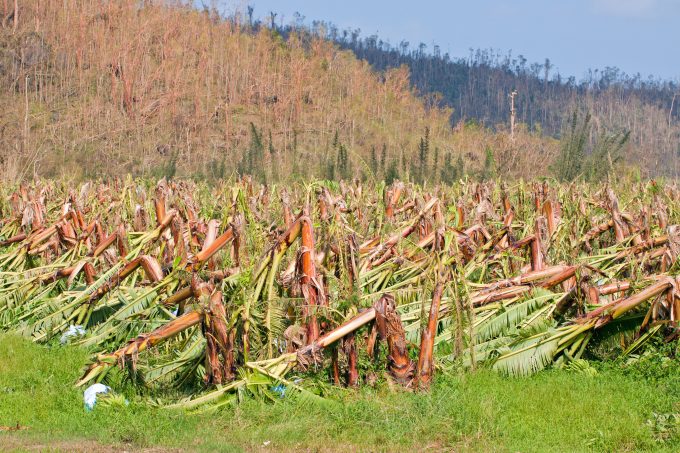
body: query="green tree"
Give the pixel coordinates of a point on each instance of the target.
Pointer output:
(392, 172)
(272, 158)
(344, 165)
(435, 164)
(489, 170)
(460, 167)
(448, 172)
(570, 159)
(383, 156)
(251, 161)
(423, 151)
(576, 160)
(606, 153)
(330, 169)
(374, 161)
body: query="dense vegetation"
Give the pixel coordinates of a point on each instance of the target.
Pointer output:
(195, 292)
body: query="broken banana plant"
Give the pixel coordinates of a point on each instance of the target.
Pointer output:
(511, 277)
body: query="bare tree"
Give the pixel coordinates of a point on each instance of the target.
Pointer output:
(670, 112)
(512, 114)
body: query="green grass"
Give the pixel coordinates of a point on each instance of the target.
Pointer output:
(552, 411)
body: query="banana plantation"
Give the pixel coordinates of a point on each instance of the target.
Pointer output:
(209, 294)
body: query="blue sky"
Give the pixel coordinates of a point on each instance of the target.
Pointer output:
(635, 35)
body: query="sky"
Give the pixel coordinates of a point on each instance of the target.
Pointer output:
(637, 36)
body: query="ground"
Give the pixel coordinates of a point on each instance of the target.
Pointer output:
(552, 411)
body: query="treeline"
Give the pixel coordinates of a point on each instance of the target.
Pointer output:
(477, 86)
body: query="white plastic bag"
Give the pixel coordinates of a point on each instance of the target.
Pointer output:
(71, 332)
(90, 394)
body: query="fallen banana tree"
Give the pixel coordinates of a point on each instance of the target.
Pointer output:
(218, 292)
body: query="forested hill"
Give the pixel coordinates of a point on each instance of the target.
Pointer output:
(93, 89)
(477, 88)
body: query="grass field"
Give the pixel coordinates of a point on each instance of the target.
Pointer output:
(552, 411)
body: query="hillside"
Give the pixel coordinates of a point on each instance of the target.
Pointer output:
(94, 89)
(476, 88)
